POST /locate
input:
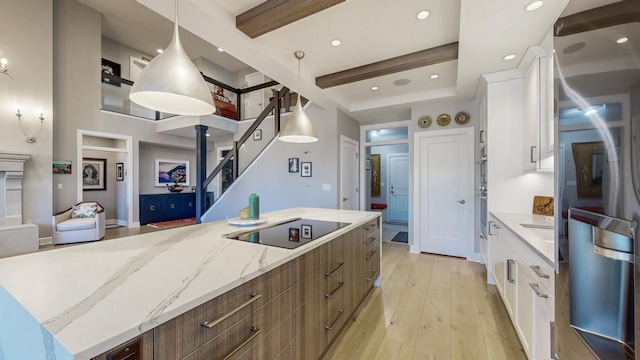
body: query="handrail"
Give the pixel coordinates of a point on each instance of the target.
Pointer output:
(273, 104)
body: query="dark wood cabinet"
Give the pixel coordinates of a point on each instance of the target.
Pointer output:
(166, 207)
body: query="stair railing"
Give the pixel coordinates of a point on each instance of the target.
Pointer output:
(201, 182)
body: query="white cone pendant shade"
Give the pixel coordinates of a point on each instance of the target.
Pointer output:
(298, 128)
(172, 84)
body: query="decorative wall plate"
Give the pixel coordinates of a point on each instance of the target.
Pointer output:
(424, 121)
(444, 119)
(462, 118)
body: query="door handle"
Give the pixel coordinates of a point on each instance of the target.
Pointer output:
(345, 198)
(461, 201)
(392, 189)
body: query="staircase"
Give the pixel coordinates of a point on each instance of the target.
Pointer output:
(235, 158)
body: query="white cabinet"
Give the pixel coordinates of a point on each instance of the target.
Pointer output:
(531, 115)
(523, 279)
(538, 108)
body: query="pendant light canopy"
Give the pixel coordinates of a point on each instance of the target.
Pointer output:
(171, 83)
(298, 128)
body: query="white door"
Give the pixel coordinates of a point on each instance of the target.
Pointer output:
(398, 179)
(444, 189)
(348, 174)
(253, 101)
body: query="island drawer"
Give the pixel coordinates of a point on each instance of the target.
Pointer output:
(372, 227)
(185, 333)
(249, 331)
(271, 345)
(140, 348)
(306, 264)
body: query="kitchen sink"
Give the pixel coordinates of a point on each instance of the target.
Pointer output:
(545, 232)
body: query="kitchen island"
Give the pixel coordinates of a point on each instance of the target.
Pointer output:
(78, 302)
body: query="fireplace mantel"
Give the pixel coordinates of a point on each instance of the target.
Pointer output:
(11, 174)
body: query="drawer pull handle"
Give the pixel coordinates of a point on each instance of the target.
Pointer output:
(371, 255)
(340, 265)
(509, 271)
(371, 239)
(173, 206)
(209, 325)
(255, 332)
(329, 296)
(369, 227)
(340, 312)
(372, 274)
(152, 208)
(536, 269)
(536, 289)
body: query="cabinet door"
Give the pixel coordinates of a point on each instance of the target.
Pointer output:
(531, 115)
(511, 276)
(151, 209)
(524, 306)
(547, 114)
(498, 261)
(543, 316)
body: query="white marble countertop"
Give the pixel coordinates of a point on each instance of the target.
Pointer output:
(94, 296)
(538, 237)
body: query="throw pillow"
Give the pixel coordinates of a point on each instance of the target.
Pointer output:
(85, 210)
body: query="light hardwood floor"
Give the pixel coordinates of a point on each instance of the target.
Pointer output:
(429, 307)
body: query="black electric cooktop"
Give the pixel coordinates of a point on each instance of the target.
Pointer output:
(291, 234)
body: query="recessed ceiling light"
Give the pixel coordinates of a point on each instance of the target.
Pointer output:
(374, 88)
(160, 51)
(336, 42)
(401, 82)
(220, 49)
(510, 57)
(422, 15)
(434, 76)
(622, 40)
(534, 5)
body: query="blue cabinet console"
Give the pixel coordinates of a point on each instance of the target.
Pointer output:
(165, 207)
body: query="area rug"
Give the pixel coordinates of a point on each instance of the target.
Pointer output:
(402, 237)
(172, 223)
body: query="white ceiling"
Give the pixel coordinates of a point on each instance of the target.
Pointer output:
(370, 31)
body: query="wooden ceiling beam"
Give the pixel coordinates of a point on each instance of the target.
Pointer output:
(622, 12)
(274, 14)
(414, 60)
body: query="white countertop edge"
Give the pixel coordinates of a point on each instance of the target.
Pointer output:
(512, 221)
(88, 350)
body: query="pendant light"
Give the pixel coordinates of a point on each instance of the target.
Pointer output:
(298, 128)
(170, 83)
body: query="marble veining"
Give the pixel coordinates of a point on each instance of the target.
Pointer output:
(89, 298)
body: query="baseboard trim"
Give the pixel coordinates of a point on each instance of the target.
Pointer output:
(45, 241)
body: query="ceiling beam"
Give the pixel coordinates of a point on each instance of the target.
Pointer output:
(414, 60)
(622, 12)
(274, 14)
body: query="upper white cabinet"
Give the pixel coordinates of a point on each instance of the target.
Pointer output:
(538, 107)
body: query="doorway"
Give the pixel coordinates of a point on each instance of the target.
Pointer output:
(398, 189)
(348, 173)
(443, 191)
(253, 101)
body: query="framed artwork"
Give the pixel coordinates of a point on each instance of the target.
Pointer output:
(111, 68)
(293, 165)
(257, 135)
(94, 174)
(171, 172)
(119, 171)
(62, 167)
(294, 234)
(590, 166)
(307, 231)
(305, 169)
(375, 174)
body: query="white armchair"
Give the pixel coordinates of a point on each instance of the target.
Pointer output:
(83, 222)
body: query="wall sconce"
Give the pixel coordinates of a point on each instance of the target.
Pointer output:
(29, 139)
(3, 68)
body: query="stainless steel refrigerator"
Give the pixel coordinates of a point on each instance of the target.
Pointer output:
(597, 117)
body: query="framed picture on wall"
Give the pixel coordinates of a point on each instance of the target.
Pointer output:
(293, 165)
(305, 169)
(171, 172)
(110, 68)
(119, 171)
(62, 167)
(94, 174)
(257, 135)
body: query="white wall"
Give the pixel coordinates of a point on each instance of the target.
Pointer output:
(278, 189)
(148, 155)
(27, 44)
